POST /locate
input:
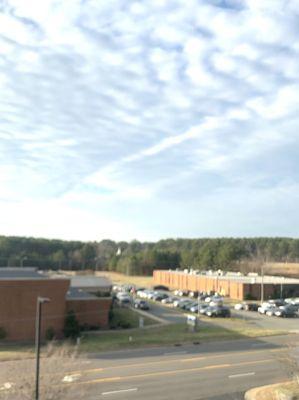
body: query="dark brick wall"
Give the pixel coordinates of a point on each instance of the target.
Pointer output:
(18, 306)
(94, 312)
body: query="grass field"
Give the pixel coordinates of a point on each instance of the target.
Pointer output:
(170, 335)
(127, 318)
(153, 336)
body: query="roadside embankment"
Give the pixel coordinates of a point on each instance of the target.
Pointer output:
(279, 391)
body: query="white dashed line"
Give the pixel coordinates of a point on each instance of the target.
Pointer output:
(119, 391)
(241, 375)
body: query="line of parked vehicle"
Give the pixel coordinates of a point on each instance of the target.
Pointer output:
(209, 305)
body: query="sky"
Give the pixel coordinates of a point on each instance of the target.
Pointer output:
(149, 119)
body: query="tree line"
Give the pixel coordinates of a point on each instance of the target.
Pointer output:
(141, 258)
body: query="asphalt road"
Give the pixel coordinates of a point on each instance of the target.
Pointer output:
(211, 371)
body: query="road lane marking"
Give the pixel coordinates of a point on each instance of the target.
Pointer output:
(119, 391)
(167, 373)
(175, 353)
(71, 378)
(241, 375)
(192, 359)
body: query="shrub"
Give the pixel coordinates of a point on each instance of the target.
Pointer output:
(2, 333)
(50, 333)
(249, 296)
(71, 326)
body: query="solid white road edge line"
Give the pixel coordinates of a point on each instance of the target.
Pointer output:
(120, 391)
(241, 375)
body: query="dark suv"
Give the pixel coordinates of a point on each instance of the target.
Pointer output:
(217, 311)
(141, 304)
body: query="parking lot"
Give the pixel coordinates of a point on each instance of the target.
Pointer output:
(174, 307)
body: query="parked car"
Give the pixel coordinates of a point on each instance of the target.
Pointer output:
(160, 296)
(293, 300)
(288, 311)
(194, 308)
(180, 303)
(151, 293)
(183, 293)
(199, 308)
(270, 311)
(161, 287)
(266, 306)
(184, 304)
(190, 305)
(277, 302)
(203, 307)
(141, 304)
(239, 306)
(251, 306)
(220, 311)
(193, 294)
(169, 300)
(123, 298)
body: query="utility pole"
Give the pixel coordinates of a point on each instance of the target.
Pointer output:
(40, 301)
(262, 283)
(22, 261)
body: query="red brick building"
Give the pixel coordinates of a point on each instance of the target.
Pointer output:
(19, 289)
(235, 286)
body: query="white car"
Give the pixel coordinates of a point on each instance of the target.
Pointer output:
(265, 307)
(123, 296)
(239, 306)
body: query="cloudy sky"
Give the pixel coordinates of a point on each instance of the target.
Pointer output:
(149, 119)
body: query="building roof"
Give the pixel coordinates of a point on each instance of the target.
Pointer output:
(239, 277)
(21, 273)
(90, 281)
(79, 294)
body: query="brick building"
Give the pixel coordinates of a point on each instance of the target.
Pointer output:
(19, 289)
(235, 286)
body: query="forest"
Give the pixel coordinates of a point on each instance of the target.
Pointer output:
(141, 258)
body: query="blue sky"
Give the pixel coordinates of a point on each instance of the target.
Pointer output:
(149, 119)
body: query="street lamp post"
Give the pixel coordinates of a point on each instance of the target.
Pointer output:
(281, 287)
(262, 283)
(22, 261)
(40, 301)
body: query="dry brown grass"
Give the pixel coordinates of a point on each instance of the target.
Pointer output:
(120, 279)
(17, 379)
(285, 269)
(278, 391)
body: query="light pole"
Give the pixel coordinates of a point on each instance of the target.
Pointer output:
(22, 261)
(281, 287)
(40, 301)
(262, 283)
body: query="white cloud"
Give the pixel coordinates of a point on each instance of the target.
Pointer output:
(129, 101)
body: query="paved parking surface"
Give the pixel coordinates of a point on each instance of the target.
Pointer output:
(265, 322)
(259, 321)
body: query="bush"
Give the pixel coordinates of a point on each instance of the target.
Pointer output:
(87, 327)
(249, 296)
(71, 326)
(2, 333)
(50, 333)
